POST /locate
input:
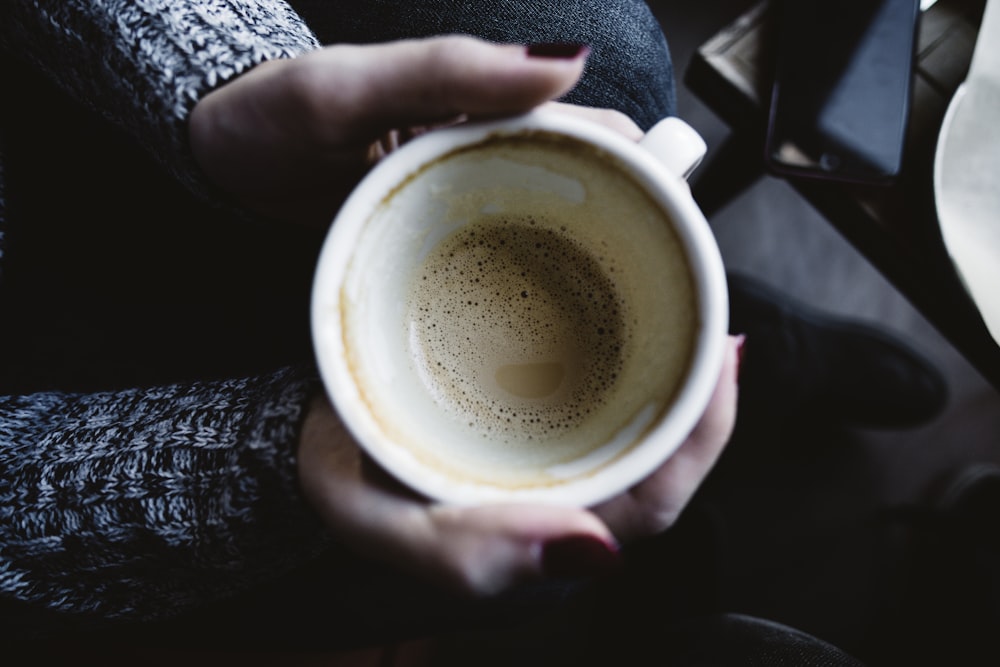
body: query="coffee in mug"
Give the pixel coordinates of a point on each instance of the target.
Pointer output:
(518, 310)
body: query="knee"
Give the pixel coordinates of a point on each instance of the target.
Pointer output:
(630, 68)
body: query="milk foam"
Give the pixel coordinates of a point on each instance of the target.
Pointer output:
(518, 327)
(516, 379)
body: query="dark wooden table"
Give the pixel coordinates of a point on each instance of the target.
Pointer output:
(895, 227)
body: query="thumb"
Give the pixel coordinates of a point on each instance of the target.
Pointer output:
(421, 82)
(486, 549)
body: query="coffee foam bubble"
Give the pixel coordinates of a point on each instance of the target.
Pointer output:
(518, 328)
(520, 385)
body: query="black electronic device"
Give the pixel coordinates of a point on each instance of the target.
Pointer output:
(842, 89)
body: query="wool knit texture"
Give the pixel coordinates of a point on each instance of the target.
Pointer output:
(138, 503)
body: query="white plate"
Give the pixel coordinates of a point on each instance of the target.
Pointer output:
(967, 175)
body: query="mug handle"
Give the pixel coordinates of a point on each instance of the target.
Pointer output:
(676, 144)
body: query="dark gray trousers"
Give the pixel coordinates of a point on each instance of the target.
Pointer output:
(629, 68)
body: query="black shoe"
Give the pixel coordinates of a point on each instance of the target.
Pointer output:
(801, 364)
(955, 569)
(969, 500)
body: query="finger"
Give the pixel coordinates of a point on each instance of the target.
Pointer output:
(714, 429)
(655, 503)
(484, 550)
(427, 81)
(478, 550)
(475, 550)
(610, 118)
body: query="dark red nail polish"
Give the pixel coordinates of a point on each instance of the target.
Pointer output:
(567, 50)
(579, 556)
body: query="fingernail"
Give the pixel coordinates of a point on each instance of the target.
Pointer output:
(741, 341)
(567, 50)
(579, 556)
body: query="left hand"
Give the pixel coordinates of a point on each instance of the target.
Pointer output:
(290, 138)
(486, 549)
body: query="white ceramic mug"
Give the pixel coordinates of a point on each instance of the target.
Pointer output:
(531, 309)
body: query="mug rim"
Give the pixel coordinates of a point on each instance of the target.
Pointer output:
(668, 190)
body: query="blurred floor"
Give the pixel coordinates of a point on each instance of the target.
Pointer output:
(812, 547)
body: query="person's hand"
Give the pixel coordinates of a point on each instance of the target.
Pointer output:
(290, 138)
(654, 504)
(486, 549)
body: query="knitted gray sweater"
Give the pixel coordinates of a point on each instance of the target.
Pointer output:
(141, 503)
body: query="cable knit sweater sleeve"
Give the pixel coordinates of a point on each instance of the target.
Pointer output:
(143, 64)
(139, 504)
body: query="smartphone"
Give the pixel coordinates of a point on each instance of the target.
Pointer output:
(842, 88)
